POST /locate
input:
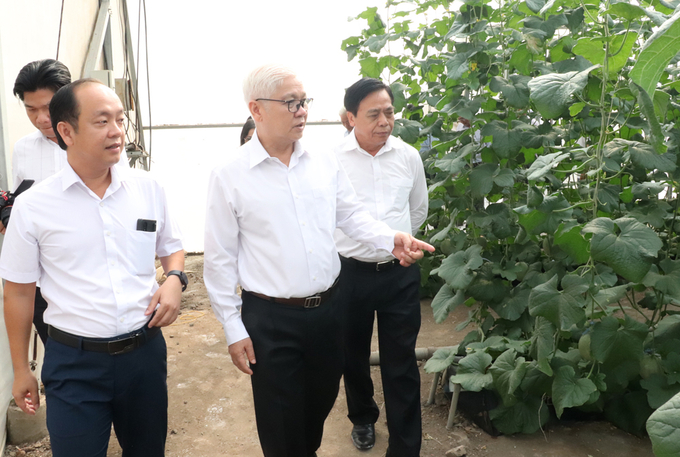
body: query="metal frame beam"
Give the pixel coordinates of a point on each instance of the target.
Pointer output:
(101, 40)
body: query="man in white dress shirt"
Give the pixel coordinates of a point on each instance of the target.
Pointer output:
(389, 179)
(272, 209)
(37, 156)
(89, 234)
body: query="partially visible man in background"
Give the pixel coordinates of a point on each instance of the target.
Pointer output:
(389, 179)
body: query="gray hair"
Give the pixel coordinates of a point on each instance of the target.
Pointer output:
(264, 81)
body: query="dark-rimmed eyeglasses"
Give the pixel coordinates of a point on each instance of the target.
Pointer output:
(293, 105)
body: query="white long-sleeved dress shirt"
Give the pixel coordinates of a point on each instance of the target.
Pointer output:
(391, 185)
(96, 270)
(36, 157)
(270, 228)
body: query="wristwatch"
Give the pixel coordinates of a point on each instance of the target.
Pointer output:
(182, 277)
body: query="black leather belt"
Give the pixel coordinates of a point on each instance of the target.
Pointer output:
(374, 266)
(305, 302)
(113, 346)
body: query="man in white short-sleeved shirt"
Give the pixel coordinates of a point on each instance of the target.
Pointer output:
(272, 209)
(389, 178)
(90, 233)
(37, 156)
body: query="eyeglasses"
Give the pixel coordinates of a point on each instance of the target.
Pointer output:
(293, 105)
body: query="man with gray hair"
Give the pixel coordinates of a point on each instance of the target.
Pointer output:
(272, 210)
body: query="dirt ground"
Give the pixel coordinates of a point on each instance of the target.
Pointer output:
(211, 411)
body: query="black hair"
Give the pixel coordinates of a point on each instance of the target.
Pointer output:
(64, 107)
(247, 127)
(41, 74)
(362, 89)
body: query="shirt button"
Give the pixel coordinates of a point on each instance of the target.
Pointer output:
(108, 233)
(304, 223)
(101, 203)
(117, 291)
(310, 251)
(122, 319)
(113, 263)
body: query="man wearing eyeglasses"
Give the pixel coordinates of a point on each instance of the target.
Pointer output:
(272, 210)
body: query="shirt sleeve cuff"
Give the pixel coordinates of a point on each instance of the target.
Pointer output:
(20, 278)
(235, 331)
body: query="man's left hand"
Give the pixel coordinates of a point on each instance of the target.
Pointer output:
(409, 249)
(168, 298)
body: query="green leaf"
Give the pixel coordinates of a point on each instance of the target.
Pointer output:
(512, 307)
(576, 108)
(605, 297)
(656, 53)
(547, 217)
(508, 372)
(526, 416)
(544, 164)
(626, 245)
(562, 309)
(612, 341)
(663, 427)
(644, 155)
(543, 341)
(515, 92)
(458, 268)
(472, 374)
(535, 5)
(504, 178)
(667, 283)
(647, 108)
(552, 93)
(570, 390)
(445, 302)
(659, 390)
(441, 360)
(406, 129)
(457, 66)
(626, 11)
(481, 179)
(569, 238)
(505, 141)
(593, 49)
(370, 67)
(455, 162)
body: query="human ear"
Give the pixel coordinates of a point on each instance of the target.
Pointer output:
(66, 132)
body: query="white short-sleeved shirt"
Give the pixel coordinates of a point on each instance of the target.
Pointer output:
(270, 228)
(390, 184)
(36, 157)
(96, 270)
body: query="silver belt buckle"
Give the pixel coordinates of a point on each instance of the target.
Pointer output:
(312, 302)
(383, 263)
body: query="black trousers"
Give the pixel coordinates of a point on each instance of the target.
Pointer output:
(394, 295)
(87, 391)
(39, 307)
(297, 375)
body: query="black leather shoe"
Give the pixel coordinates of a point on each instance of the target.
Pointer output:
(363, 436)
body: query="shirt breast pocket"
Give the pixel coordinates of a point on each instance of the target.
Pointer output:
(141, 252)
(401, 192)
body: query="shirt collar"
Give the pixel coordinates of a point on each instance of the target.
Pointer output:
(350, 143)
(258, 154)
(118, 176)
